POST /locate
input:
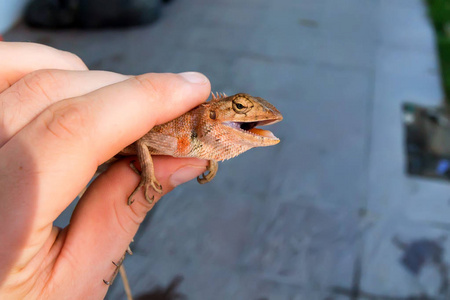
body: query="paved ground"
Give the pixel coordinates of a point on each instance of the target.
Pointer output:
(326, 214)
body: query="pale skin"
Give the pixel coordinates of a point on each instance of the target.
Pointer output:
(58, 122)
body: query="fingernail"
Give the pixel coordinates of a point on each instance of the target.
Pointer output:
(185, 174)
(194, 77)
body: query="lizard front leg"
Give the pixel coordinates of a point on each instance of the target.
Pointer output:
(213, 167)
(148, 178)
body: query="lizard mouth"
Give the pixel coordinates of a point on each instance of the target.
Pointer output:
(250, 128)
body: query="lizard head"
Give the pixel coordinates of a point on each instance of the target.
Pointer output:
(242, 113)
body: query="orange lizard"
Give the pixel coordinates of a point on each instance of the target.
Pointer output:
(216, 130)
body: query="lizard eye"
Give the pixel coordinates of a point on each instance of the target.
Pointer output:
(242, 105)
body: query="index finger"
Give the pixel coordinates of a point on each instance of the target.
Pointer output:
(19, 59)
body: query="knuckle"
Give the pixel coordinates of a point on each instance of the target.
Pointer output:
(146, 85)
(67, 122)
(136, 214)
(9, 112)
(38, 83)
(138, 210)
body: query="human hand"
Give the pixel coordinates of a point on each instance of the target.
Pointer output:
(58, 122)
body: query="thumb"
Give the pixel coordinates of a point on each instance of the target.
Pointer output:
(103, 225)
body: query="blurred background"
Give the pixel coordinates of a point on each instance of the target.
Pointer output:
(330, 213)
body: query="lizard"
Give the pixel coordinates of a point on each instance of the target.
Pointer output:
(216, 130)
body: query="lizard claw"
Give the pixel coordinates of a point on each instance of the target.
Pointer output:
(117, 265)
(212, 167)
(147, 184)
(156, 186)
(147, 197)
(133, 167)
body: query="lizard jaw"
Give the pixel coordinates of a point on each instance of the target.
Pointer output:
(250, 128)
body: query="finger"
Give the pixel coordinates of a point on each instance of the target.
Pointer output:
(29, 96)
(104, 223)
(18, 59)
(47, 163)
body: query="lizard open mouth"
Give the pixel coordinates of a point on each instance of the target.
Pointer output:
(250, 127)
